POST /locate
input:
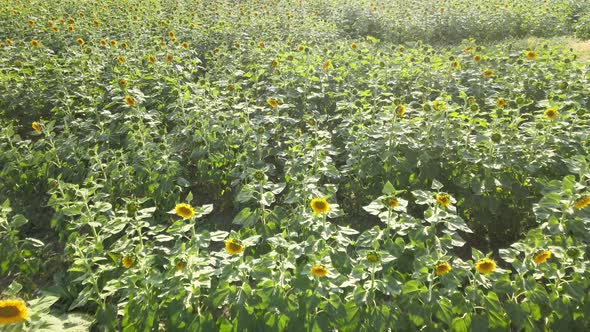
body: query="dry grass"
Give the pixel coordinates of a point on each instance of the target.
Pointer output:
(582, 48)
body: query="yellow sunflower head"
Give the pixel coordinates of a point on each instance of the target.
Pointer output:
(274, 63)
(392, 202)
(439, 105)
(80, 41)
(13, 311)
(103, 43)
(582, 202)
(319, 271)
(179, 265)
(169, 58)
(121, 59)
(113, 43)
(127, 261)
(184, 45)
(320, 205)
(485, 266)
(488, 74)
(372, 257)
(8, 41)
(260, 44)
(130, 101)
(443, 199)
(34, 43)
(124, 45)
(233, 247)
(542, 256)
(442, 268)
(273, 103)
(185, 211)
(122, 82)
(171, 35)
(328, 65)
(501, 103)
(551, 113)
(354, 46)
(151, 59)
(531, 55)
(70, 28)
(400, 109)
(36, 127)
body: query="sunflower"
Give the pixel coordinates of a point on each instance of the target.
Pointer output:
(169, 57)
(373, 258)
(400, 109)
(488, 74)
(582, 202)
(542, 256)
(531, 55)
(121, 59)
(320, 205)
(96, 23)
(122, 82)
(233, 247)
(179, 266)
(113, 43)
(36, 127)
(354, 46)
(34, 43)
(501, 103)
(439, 105)
(103, 43)
(455, 64)
(392, 202)
(273, 103)
(55, 28)
(443, 199)
(8, 41)
(260, 44)
(171, 35)
(274, 63)
(185, 211)
(551, 113)
(485, 265)
(184, 45)
(124, 45)
(442, 268)
(127, 261)
(70, 28)
(328, 65)
(151, 59)
(319, 271)
(13, 311)
(80, 41)
(130, 101)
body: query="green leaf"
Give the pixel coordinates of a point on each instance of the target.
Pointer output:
(388, 189)
(219, 296)
(461, 324)
(43, 304)
(479, 323)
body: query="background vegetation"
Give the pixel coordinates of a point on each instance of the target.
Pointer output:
(437, 137)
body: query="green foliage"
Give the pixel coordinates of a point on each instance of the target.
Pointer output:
(160, 160)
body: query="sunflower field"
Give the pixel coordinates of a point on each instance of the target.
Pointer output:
(294, 165)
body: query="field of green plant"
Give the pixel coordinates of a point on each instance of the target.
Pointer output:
(294, 165)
